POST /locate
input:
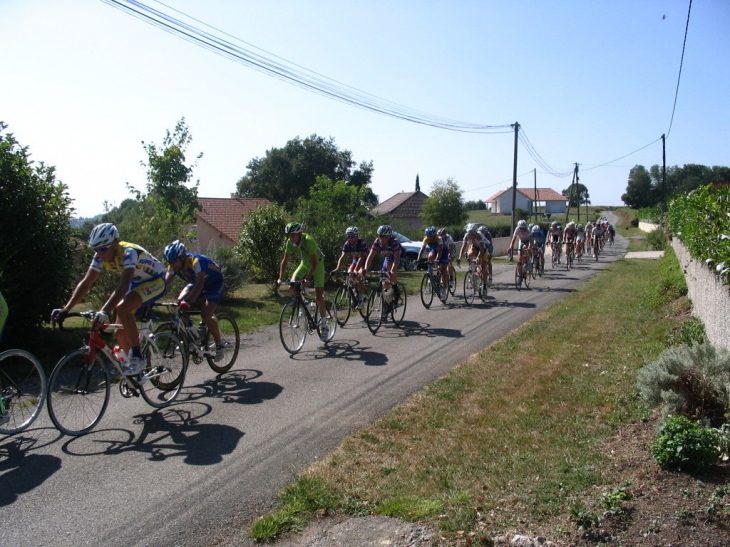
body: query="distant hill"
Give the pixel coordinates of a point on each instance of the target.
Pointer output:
(78, 222)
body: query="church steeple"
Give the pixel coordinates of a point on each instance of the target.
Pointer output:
(418, 184)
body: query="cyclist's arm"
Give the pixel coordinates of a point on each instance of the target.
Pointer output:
(369, 259)
(82, 289)
(282, 267)
(339, 262)
(420, 251)
(197, 287)
(124, 280)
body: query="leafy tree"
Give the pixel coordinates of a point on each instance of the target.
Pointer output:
(284, 175)
(445, 206)
(639, 191)
(477, 205)
(577, 194)
(261, 242)
(36, 263)
(169, 204)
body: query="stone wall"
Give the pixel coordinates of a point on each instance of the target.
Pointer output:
(647, 226)
(710, 298)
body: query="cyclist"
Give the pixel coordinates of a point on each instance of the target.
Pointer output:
(311, 267)
(611, 232)
(475, 245)
(589, 236)
(390, 247)
(141, 282)
(538, 240)
(569, 236)
(580, 236)
(555, 238)
(489, 247)
(451, 246)
(437, 252)
(597, 236)
(358, 248)
(525, 237)
(204, 281)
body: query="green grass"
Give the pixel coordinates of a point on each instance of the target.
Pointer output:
(512, 436)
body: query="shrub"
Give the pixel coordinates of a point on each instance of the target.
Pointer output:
(261, 243)
(690, 380)
(657, 240)
(685, 445)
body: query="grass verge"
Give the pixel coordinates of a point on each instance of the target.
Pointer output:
(511, 437)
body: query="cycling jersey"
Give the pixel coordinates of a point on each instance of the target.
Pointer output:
(477, 241)
(569, 234)
(580, 234)
(393, 246)
(539, 238)
(355, 246)
(524, 235)
(146, 267)
(555, 234)
(193, 264)
(306, 248)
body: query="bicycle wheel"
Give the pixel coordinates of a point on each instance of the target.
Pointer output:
(555, 258)
(518, 279)
(526, 279)
(293, 326)
(469, 288)
(452, 283)
(398, 310)
(426, 291)
(344, 305)
(78, 392)
(230, 343)
(375, 310)
(22, 388)
(163, 377)
(331, 317)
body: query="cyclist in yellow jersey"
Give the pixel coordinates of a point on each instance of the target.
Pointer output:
(141, 282)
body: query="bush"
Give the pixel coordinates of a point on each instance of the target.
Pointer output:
(685, 445)
(261, 243)
(691, 381)
(657, 240)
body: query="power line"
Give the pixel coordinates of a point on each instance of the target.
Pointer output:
(684, 44)
(622, 157)
(289, 72)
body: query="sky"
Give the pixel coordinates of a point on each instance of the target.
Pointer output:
(83, 84)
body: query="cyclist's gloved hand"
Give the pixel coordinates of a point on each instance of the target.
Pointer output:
(57, 315)
(100, 318)
(183, 306)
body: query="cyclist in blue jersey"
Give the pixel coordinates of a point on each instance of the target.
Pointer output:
(538, 239)
(204, 280)
(438, 253)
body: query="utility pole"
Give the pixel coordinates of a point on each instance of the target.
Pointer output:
(571, 193)
(664, 173)
(577, 188)
(534, 204)
(514, 180)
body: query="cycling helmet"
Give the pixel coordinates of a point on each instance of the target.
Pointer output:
(579, 227)
(554, 224)
(352, 230)
(430, 231)
(385, 230)
(535, 229)
(570, 224)
(103, 235)
(173, 251)
(483, 229)
(442, 232)
(293, 228)
(471, 228)
(522, 224)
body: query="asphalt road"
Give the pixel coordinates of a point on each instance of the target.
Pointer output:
(196, 472)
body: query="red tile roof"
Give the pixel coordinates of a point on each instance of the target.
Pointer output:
(226, 214)
(543, 194)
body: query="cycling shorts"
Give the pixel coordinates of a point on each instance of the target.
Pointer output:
(317, 277)
(214, 293)
(150, 291)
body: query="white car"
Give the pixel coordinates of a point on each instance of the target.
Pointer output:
(409, 256)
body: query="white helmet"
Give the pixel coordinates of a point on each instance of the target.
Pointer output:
(522, 224)
(103, 235)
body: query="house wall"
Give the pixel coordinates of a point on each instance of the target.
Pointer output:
(555, 207)
(504, 202)
(208, 234)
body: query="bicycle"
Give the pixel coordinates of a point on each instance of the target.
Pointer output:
(555, 246)
(79, 387)
(347, 299)
(300, 317)
(382, 303)
(452, 280)
(430, 283)
(473, 282)
(537, 268)
(579, 251)
(199, 343)
(596, 250)
(569, 255)
(22, 390)
(523, 270)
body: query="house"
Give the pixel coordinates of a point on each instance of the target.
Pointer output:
(546, 200)
(404, 208)
(219, 220)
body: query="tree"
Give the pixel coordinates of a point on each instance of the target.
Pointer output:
(639, 191)
(172, 198)
(36, 262)
(477, 205)
(445, 206)
(286, 174)
(577, 194)
(261, 242)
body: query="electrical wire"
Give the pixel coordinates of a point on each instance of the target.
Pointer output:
(684, 44)
(289, 72)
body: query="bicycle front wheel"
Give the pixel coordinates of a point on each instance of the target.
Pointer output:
(293, 326)
(452, 283)
(162, 379)
(526, 278)
(427, 289)
(399, 306)
(230, 344)
(22, 388)
(470, 289)
(375, 310)
(518, 279)
(344, 306)
(78, 392)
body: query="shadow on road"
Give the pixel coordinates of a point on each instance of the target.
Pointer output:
(21, 472)
(347, 349)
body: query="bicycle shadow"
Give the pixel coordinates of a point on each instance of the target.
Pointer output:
(237, 386)
(166, 433)
(415, 328)
(508, 304)
(21, 472)
(346, 349)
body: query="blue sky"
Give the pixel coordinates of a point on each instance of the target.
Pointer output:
(83, 84)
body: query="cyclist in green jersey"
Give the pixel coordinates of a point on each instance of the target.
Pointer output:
(311, 268)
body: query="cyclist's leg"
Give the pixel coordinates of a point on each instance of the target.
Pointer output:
(213, 297)
(127, 309)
